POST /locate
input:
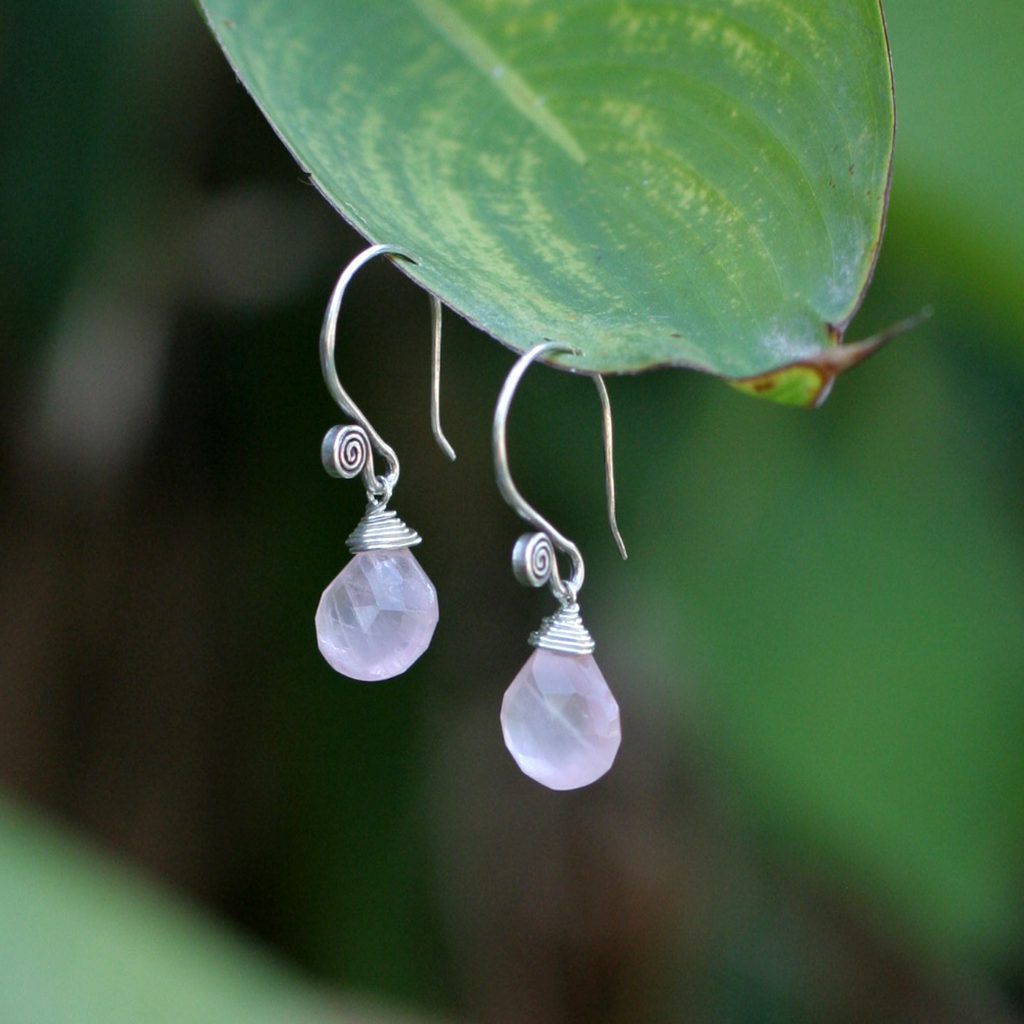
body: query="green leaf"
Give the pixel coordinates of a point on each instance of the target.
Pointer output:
(699, 184)
(82, 941)
(856, 626)
(957, 209)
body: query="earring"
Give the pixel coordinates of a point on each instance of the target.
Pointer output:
(379, 614)
(559, 718)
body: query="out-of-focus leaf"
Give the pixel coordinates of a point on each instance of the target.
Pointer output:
(852, 601)
(958, 219)
(700, 185)
(84, 942)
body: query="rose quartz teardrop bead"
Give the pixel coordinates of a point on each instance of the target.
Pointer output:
(560, 720)
(377, 616)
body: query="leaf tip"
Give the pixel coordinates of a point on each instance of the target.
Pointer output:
(807, 383)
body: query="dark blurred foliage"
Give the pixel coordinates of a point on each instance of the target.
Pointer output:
(817, 643)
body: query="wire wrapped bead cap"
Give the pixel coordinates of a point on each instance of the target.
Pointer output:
(380, 529)
(564, 632)
(534, 564)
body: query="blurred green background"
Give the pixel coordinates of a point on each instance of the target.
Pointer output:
(817, 643)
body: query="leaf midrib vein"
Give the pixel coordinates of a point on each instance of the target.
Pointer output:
(455, 30)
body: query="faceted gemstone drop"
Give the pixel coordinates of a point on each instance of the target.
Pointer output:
(377, 616)
(560, 720)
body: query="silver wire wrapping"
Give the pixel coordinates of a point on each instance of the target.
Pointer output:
(533, 559)
(380, 529)
(346, 452)
(534, 563)
(564, 632)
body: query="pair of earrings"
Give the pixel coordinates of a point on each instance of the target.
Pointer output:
(559, 718)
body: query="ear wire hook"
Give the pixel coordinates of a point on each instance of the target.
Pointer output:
(530, 560)
(381, 486)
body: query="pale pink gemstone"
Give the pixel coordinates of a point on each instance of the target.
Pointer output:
(560, 720)
(377, 616)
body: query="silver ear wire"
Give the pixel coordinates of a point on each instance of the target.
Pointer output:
(534, 560)
(347, 451)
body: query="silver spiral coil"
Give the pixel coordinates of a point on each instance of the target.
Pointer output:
(564, 632)
(380, 529)
(346, 452)
(533, 559)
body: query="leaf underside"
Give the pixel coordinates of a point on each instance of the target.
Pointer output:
(697, 184)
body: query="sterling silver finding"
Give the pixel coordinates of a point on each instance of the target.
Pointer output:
(379, 614)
